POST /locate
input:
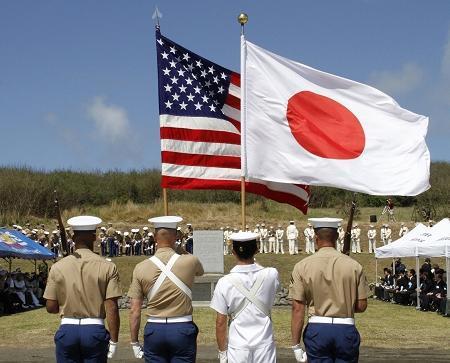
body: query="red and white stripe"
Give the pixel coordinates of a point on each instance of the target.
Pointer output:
(205, 153)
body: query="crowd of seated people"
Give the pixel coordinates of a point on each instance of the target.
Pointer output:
(402, 288)
(21, 291)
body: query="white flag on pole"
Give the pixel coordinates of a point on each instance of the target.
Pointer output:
(307, 126)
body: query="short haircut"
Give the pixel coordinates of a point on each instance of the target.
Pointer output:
(245, 250)
(82, 235)
(412, 271)
(327, 234)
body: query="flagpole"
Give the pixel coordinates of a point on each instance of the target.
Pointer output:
(243, 19)
(156, 16)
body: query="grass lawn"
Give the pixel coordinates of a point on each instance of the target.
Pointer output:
(378, 326)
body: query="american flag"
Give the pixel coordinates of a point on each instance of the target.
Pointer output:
(199, 108)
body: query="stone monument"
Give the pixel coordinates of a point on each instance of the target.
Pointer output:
(208, 247)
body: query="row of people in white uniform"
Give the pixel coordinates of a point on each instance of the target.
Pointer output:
(272, 240)
(385, 237)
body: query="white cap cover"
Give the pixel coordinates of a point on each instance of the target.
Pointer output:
(135, 230)
(84, 223)
(145, 228)
(325, 222)
(168, 222)
(244, 236)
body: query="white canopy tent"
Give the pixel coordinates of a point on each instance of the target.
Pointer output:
(403, 247)
(438, 245)
(421, 241)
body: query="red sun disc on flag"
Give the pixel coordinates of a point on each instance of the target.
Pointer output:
(325, 127)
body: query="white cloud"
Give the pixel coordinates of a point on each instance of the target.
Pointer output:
(110, 120)
(402, 81)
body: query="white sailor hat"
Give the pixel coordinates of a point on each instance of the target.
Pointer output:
(257, 224)
(103, 228)
(84, 223)
(55, 232)
(126, 233)
(325, 222)
(46, 233)
(145, 228)
(244, 236)
(119, 232)
(14, 225)
(402, 224)
(34, 231)
(291, 222)
(167, 222)
(355, 225)
(371, 226)
(309, 225)
(188, 224)
(135, 230)
(19, 228)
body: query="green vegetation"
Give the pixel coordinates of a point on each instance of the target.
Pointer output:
(26, 193)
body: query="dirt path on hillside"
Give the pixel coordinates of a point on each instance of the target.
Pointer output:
(208, 354)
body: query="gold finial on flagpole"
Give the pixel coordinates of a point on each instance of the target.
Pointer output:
(242, 19)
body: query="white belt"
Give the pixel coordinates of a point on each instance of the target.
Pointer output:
(327, 320)
(83, 321)
(176, 319)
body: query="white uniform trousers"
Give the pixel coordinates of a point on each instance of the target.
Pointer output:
(271, 244)
(279, 248)
(263, 246)
(356, 246)
(309, 246)
(292, 243)
(264, 354)
(372, 245)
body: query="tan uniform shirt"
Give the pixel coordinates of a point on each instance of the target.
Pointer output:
(81, 283)
(329, 282)
(110, 232)
(169, 300)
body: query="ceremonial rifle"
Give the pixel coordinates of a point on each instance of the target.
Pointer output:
(348, 232)
(62, 230)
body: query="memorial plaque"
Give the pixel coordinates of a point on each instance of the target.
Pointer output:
(208, 247)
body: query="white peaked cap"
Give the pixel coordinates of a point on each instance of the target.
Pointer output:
(145, 228)
(84, 223)
(168, 222)
(291, 222)
(135, 230)
(325, 222)
(46, 233)
(126, 234)
(244, 236)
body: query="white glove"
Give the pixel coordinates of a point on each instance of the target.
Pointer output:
(300, 355)
(223, 358)
(112, 349)
(137, 350)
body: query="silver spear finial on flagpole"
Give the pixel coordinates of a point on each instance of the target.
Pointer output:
(242, 19)
(156, 16)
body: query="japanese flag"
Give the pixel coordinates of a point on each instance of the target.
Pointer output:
(305, 126)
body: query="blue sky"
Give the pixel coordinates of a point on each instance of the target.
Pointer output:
(78, 86)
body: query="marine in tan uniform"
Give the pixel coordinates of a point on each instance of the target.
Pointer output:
(83, 288)
(166, 280)
(333, 287)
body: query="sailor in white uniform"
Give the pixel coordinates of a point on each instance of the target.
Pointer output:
(279, 233)
(245, 297)
(292, 235)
